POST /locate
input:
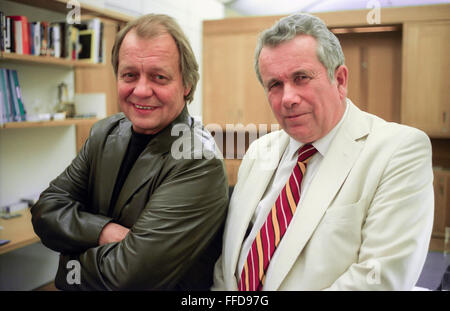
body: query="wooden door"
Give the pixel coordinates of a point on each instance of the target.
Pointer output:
(374, 63)
(426, 77)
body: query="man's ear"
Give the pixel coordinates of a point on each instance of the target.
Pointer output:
(187, 89)
(341, 77)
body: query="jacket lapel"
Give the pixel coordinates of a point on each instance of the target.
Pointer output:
(246, 200)
(144, 167)
(111, 159)
(331, 174)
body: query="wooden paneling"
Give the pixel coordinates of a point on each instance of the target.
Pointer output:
(232, 93)
(442, 205)
(83, 130)
(232, 167)
(441, 152)
(350, 18)
(374, 62)
(426, 75)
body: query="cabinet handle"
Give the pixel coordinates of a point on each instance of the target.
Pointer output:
(444, 117)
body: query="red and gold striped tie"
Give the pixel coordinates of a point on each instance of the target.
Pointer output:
(271, 233)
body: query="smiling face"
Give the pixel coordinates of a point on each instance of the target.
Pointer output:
(306, 104)
(149, 82)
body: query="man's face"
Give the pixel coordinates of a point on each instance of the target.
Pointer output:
(149, 82)
(306, 104)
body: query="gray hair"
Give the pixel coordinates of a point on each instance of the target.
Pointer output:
(329, 51)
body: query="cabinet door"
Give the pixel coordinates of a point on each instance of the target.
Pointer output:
(441, 202)
(426, 77)
(374, 64)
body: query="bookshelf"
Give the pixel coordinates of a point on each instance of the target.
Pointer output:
(85, 77)
(34, 153)
(46, 60)
(66, 122)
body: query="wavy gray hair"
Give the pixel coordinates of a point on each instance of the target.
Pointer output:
(329, 51)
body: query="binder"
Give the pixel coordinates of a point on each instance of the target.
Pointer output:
(14, 103)
(6, 94)
(18, 93)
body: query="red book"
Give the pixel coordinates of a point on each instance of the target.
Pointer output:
(25, 32)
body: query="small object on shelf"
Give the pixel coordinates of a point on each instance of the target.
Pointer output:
(3, 242)
(59, 116)
(40, 117)
(85, 116)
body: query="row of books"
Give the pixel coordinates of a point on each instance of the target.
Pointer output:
(83, 41)
(12, 108)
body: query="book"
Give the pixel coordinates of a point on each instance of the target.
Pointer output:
(18, 92)
(22, 37)
(2, 30)
(13, 108)
(6, 96)
(44, 38)
(7, 35)
(36, 37)
(87, 42)
(73, 42)
(96, 26)
(2, 106)
(14, 103)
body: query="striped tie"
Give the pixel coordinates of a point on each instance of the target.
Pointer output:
(271, 233)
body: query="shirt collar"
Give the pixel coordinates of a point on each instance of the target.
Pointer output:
(321, 144)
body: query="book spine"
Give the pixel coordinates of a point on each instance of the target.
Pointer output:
(14, 101)
(6, 95)
(22, 111)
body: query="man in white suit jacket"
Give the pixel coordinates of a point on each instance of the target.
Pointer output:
(365, 214)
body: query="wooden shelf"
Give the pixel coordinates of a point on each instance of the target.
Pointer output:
(86, 9)
(67, 122)
(18, 230)
(46, 60)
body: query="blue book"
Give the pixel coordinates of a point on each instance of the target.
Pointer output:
(14, 103)
(6, 94)
(18, 93)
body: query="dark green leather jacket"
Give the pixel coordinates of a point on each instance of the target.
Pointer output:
(175, 209)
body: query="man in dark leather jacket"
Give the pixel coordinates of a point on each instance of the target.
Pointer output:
(140, 207)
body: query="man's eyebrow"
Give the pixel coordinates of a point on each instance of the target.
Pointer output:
(126, 67)
(302, 72)
(154, 69)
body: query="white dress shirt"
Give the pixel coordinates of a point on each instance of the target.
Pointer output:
(281, 176)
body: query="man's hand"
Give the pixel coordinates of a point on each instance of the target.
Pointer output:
(111, 233)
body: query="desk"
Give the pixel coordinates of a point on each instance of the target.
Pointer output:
(18, 230)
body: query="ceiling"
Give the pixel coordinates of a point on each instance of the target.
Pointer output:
(281, 7)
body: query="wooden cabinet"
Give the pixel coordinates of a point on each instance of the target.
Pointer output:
(373, 58)
(232, 167)
(442, 207)
(232, 93)
(398, 70)
(426, 77)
